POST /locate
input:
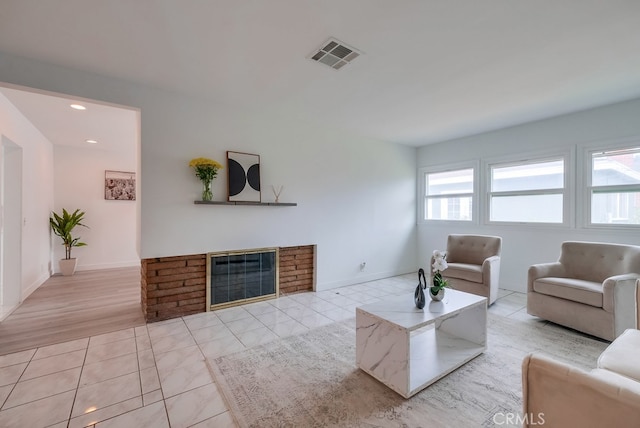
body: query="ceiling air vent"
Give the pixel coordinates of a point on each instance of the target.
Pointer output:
(335, 54)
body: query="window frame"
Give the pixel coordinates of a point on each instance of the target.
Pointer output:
(587, 191)
(423, 197)
(567, 156)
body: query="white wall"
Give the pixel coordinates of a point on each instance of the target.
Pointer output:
(37, 189)
(356, 196)
(525, 245)
(112, 225)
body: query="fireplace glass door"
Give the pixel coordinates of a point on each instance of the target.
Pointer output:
(238, 277)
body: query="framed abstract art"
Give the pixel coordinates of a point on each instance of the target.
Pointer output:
(243, 171)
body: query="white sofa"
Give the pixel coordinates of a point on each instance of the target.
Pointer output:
(591, 288)
(556, 394)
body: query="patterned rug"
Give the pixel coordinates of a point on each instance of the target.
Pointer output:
(311, 380)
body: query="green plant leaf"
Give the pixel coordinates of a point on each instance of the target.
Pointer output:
(62, 226)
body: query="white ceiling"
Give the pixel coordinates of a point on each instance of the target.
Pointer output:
(114, 128)
(432, 70)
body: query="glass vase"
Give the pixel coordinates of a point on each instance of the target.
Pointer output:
(207, 195)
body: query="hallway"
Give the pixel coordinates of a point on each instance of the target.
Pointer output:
(64, 308)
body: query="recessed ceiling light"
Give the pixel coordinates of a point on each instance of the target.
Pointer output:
(92, 141)
(78, 107)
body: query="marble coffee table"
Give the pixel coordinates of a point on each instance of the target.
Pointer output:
(408, 349)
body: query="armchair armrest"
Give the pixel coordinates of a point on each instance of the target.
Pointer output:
(563, 395)
(543, 270)
(612, 281)
(619, 297)
(490, 261)
(491, 275)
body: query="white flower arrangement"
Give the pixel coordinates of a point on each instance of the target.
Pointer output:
(439, 264)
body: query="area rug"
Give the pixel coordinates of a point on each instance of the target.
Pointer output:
(311, 380)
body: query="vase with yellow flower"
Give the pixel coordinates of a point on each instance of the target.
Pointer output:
(206, 170)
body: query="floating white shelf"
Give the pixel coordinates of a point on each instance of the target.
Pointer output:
(269, 204)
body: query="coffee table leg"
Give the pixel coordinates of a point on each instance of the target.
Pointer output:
(382, 350)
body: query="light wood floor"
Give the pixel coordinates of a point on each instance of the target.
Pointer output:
(72, 307)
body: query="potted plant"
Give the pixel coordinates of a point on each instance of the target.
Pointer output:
(63, 226)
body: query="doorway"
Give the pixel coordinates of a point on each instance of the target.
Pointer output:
(70, 151)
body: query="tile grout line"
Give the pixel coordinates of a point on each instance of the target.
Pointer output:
(155, 364)
(122, 375)
(75, 395)
(215, 382)
(18, 380)
(135, 335)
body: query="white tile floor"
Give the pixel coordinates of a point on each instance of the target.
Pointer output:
(156, 375)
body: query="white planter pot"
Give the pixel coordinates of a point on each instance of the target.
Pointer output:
(68, 266)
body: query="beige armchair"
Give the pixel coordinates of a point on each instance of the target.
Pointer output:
(557, 394)
(591, 288)
(474, 264)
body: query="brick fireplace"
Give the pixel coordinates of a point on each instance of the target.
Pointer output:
(177, 286)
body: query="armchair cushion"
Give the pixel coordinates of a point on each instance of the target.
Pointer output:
(622, 383)
(622, 355)
(578, 290)
(464, 271)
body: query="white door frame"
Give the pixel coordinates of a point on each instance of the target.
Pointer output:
(10, 226)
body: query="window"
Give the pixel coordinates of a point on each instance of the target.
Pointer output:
(615, 187)
(449, 195)
(527, 192)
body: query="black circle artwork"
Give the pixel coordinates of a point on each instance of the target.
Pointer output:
(237, 178)
(244, 177)
(253, 177)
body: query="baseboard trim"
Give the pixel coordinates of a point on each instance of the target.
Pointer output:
(100, 266)
(362, 278)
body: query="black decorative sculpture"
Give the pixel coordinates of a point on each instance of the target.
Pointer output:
(419, 297)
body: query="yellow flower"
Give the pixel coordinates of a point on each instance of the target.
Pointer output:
(206, 169)
(204, 162)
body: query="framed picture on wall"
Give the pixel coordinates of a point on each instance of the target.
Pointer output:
(243, 171)
(120, 185)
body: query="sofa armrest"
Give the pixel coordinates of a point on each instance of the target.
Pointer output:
(556, 394)
(543, 270)
(619, 298)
